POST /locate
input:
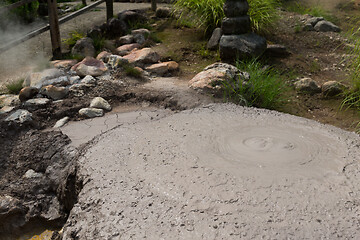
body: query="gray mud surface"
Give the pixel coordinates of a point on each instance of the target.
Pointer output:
(219, 172)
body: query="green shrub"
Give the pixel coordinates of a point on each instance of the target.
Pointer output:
(209, 13)
(15, 86)
(265, 88)
(27, 12)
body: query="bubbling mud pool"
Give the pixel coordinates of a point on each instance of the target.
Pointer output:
(219, 172)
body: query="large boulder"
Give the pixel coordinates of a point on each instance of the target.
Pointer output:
(215, 76)
(127, 39)
(143, 56)
(90, 66)
(20, 116)
(126, 49)
(163, 68)
(236, 25)
(116, 28)
(84, 48)
(140, 35)
(243, 46)
(236, 8)
(131, 16)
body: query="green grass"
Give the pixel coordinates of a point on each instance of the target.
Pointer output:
(352, 97)
(208, 14)
(265, 88)
(15, 86)
(316, 11)
(131, 71)
(74, 36)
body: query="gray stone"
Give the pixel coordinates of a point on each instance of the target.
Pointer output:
(90, 66)
(20, 116)
(314, 20)
(62, 81)
(32, 174)
(213, 43)
(126, 49)
(37, 77)
(101, 103)
(91, 112)
(36, 103)
(60, 123)
(332, 88)
(6, 109)
(326, 26)
(84, 47)
(243, 46)
(53, 92)
(236, 8)
(115, 61)
(163, 12)
(238, 25)
(127, 39)
(9, 100)
(143, 56)
(88, 80)
(308, 27)
(74, 80)
(140, 35)
(103, 56)
(276, 50)
(307, 85)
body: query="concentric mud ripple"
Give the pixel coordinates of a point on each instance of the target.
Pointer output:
(271, 151)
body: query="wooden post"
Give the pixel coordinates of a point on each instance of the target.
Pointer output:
(153, 5)
(84, 2)
(54, 29)
(109, 10)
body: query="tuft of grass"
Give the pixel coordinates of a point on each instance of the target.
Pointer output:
(131, 71)
(264, 89)
(15, 86)
(208, 14)
(73, 37)
(99, 43)
(352, 97)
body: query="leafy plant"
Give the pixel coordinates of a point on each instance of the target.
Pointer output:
(26, 12)
(15, 86)
(264, 89)
(209, 13)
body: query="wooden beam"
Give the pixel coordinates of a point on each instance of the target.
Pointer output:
(54, 29)
(109, 10)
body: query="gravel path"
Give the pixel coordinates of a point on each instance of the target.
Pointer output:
(34, 53)
(219, 172)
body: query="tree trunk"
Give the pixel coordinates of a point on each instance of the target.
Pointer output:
(153, 5)
(84, 2)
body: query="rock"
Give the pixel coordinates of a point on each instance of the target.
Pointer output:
(9, 100)
(91, 112)
(163, 68)
(235, 8)
(276, 50)
(65, 64)
(131, 16)
(140, 35)
(55, 93)
(28, 93)
(116, 28)
(32, 174)
(126, 49)
(115, 61)
(20, 116)
(95, 33)
(88, 80)
(143, 56)
(103, 56)
(237, 25)
(60, 123)
(84, 48)
(326, 26)
(90, 66)
(332, 88)
(101, 103)
(74, 80)
(307, 85)
(213, 43)
(241, 46)
(36, 103)
(127, 39)
(313, 20)
(308, 27)
(35, 78)
(6, 109)
(62, 81)
(163, 12)
(214, 76)
(78, 90)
